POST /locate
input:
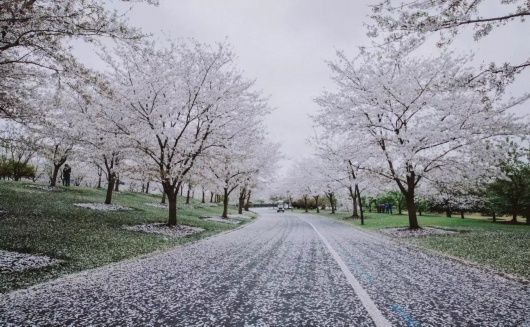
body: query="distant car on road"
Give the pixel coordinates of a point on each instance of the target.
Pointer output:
(280, 206)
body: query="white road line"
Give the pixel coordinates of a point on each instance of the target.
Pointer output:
(367, 302)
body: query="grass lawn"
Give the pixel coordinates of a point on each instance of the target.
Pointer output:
(501, 246)
(48, 223)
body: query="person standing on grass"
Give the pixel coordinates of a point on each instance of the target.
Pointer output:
(67, 170)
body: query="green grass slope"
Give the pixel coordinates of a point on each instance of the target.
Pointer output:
(48, 223)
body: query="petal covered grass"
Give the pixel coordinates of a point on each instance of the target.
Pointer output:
(501, 246)
(48, 223)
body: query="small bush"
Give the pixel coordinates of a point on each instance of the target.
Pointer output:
(16, 170)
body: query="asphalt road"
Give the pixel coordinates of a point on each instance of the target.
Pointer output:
(282, 270)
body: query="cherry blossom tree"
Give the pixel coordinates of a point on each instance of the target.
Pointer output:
(446, 16)
(139, 169)
(242, 160)
(176, 104)
(108, 152)
(266, 161)
(340, 160)
(325, 179)
(56, 149)
(57, 128)
(204, 178)
(231, 172)
(400, 20)
(304, 180)
(297, 189)
(34, 44)
(451, 197)
(102, 144)
(410, 118)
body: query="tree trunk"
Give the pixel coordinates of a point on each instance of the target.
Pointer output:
(359, 200)
(462, 214)
(55, 172)
(172, 205)
(353, 196)
(241, 203)
(411, 208)
(171, 193)
(514, 217)
(147, 188)
(99, 180)
(188, 193)
(163, 197)
(305, 204)
(225, 203)
(117, 184)
(448, 213)
(331, 202)
(211, 197)
(247, 202)
(203, 197)
(409, 199)
(316, 203)
(110, 188)
(494, 217)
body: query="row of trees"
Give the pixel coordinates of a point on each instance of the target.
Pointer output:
(314, 184)
(508, 194)
(180, 114)
(427, 126)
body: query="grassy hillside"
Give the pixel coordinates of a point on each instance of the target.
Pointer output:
(42, 222)
(502, 246)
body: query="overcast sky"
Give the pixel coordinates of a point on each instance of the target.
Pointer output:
(284, 45)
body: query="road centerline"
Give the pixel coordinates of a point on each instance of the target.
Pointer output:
(365, 299)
